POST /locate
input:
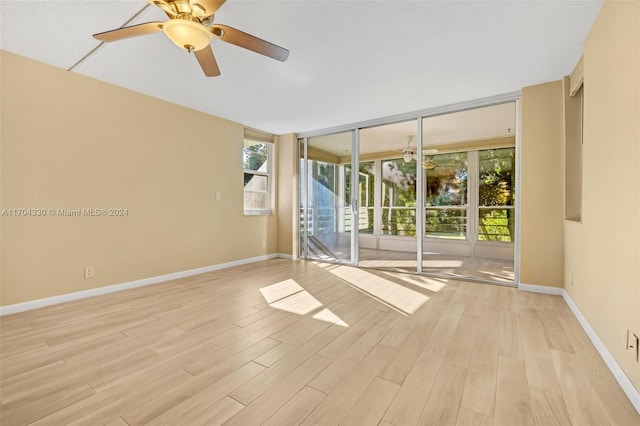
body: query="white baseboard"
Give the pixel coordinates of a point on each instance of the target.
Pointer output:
(283, 256)
(632, 393)
(63, 298)
(557, 291)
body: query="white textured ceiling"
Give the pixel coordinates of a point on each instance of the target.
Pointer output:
(350, 60)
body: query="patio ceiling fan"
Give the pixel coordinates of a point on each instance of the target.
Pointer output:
(190, 27)
(410, 153)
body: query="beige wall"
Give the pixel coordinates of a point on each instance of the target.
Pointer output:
(287, 192)
(542, 185)
(602, 273)
(68, 141)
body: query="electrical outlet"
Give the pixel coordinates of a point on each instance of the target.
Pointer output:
(264, 244)
(88, 272)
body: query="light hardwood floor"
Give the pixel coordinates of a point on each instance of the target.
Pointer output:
(291, 342)
(496, 270)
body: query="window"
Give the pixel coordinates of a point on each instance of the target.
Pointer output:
(446, 200)
(256, 160)
(399, 198)
(323, 199)
(496, 195)
(366, 185)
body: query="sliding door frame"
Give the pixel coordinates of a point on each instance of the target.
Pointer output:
(516, 204)
(420, 190)
(355, 195)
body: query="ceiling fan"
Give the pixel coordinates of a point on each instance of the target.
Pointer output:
(190, 27)
(409, 154)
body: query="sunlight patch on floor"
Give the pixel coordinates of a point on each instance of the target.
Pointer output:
(289, 296)
(327, 316)
(394, 295)
(422, 282)
(300, 303)
(280, 290)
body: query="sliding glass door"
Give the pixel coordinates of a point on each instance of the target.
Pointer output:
(389, 160)
(329, 216)
(432, 195)
(469, 194)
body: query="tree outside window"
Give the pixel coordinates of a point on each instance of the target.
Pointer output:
(496, 195)
(256, 160)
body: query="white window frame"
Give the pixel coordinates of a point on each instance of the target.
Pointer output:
(268, 174)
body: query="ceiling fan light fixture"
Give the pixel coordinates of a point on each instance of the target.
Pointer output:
(187, 35)
(428, 164)
(190, 27)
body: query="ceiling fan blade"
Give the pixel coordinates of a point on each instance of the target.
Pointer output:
(247, 41)
(205, 7)
(132, 31)
(207, 62)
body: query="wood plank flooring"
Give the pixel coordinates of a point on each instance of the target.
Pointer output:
(494, 270)
(287, 342)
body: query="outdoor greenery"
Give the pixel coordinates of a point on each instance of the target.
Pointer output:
(446, 194)
(497, 177)
(447, 186)
(399, 190)
(496, 189)
(447, 181)
(254, 156)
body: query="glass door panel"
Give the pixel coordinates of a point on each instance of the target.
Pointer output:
(469, 191)
(329, 216)
(399, 197)
(387, 176)
(446, 195)
(433, 195)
